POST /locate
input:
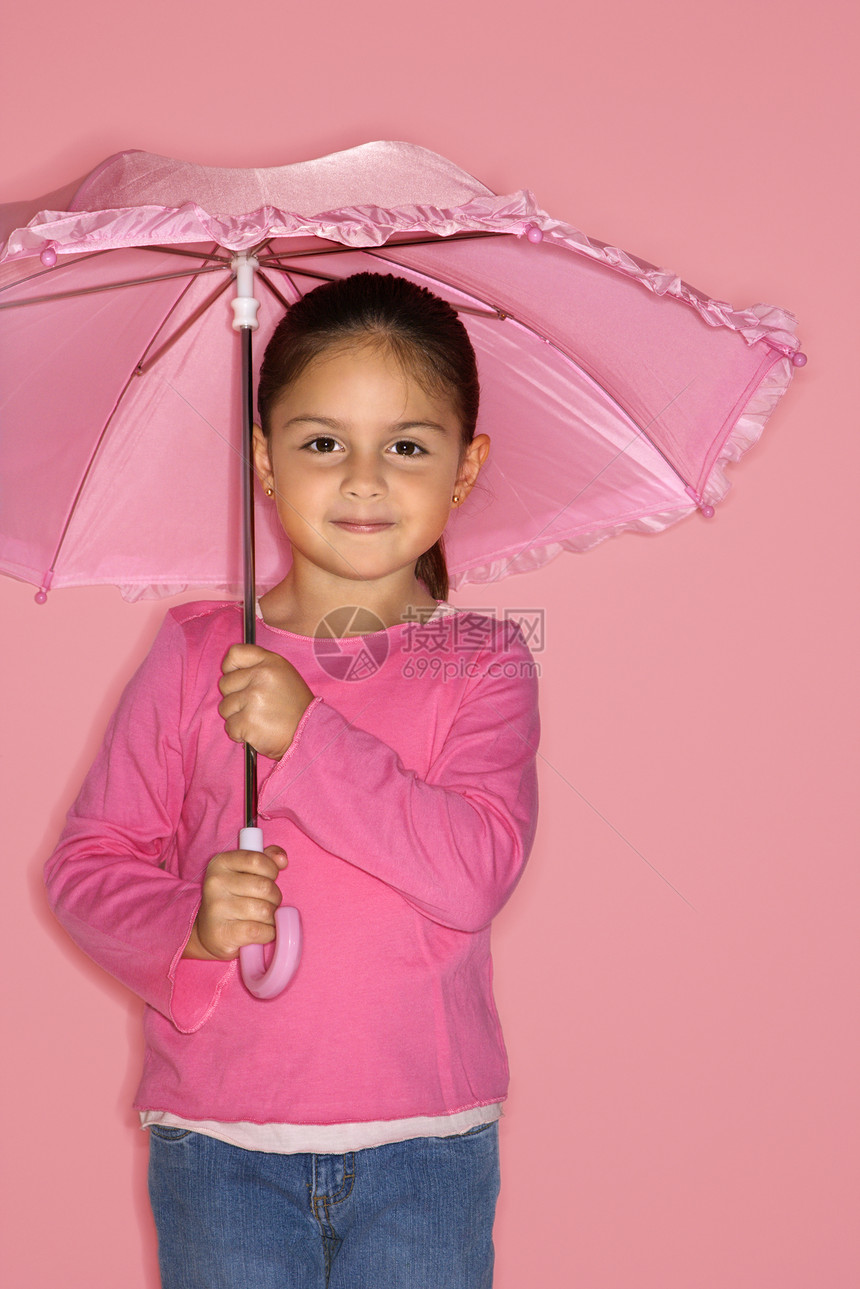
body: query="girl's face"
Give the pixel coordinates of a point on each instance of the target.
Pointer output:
(364, 464)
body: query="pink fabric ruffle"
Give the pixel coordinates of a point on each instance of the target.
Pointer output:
(383, 164)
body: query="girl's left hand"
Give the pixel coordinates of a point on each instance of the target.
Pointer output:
(264, 698)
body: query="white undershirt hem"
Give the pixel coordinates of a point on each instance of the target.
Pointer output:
(326, 1139)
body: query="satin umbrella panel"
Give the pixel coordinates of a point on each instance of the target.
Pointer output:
(613, 392)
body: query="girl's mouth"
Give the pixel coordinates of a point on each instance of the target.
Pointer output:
(354, 526)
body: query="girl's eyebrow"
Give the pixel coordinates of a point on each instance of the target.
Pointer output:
(330, 423)
(421, 425)
(326, 421)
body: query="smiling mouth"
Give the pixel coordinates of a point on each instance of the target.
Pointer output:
(355, 526)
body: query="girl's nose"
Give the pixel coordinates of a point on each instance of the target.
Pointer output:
(364, 479)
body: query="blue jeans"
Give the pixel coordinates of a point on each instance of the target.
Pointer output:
(413, 1215)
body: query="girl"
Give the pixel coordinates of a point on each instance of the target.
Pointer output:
(345, 1133)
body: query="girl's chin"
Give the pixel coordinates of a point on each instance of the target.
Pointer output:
(355, 576)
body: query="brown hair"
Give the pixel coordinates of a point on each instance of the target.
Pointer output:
(421, 330)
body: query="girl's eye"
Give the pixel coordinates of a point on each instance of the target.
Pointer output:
(322, 443)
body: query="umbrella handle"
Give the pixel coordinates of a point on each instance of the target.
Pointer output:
(268, 979)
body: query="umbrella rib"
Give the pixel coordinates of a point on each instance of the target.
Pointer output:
(311, 273)
(84, 479)
(504, 316)
(488, 312)
(72, 262)
(57, 268)
(340, 248)
(111, 286)
(146, 364)
(101, 438)
(270, 286)
(178, 250)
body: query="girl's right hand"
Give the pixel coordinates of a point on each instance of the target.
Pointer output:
(240, 897)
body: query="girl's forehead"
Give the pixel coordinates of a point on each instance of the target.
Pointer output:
(366, 372)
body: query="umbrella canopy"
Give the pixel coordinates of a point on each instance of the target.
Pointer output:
(613, 392)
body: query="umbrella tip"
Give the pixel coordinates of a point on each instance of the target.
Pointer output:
(706, 509)
(48, 255)
(799, 359)
(534, 234)
(41, 597)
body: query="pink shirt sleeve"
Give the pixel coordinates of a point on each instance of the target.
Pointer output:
(452, 843)
(105, 880)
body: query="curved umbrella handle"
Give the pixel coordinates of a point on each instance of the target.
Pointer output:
(268, 980)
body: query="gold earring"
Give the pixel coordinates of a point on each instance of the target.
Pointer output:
(270, 492)
(456, 498)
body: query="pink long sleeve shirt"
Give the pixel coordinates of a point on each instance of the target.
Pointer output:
(407, 806)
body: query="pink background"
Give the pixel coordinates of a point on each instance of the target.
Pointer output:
(677, 973)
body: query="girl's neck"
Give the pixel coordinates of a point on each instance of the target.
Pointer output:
(294, 605)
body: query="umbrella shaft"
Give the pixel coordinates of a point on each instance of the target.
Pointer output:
(250, 786)
(249, 572)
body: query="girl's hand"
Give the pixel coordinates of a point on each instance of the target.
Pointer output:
(240, 897)
(264, 699)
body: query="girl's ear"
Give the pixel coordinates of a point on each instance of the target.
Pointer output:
(262, 460)
(470, 467)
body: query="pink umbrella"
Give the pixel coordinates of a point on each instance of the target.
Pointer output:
(614, 393)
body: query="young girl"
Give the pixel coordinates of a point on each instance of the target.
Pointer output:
(344, 1133)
